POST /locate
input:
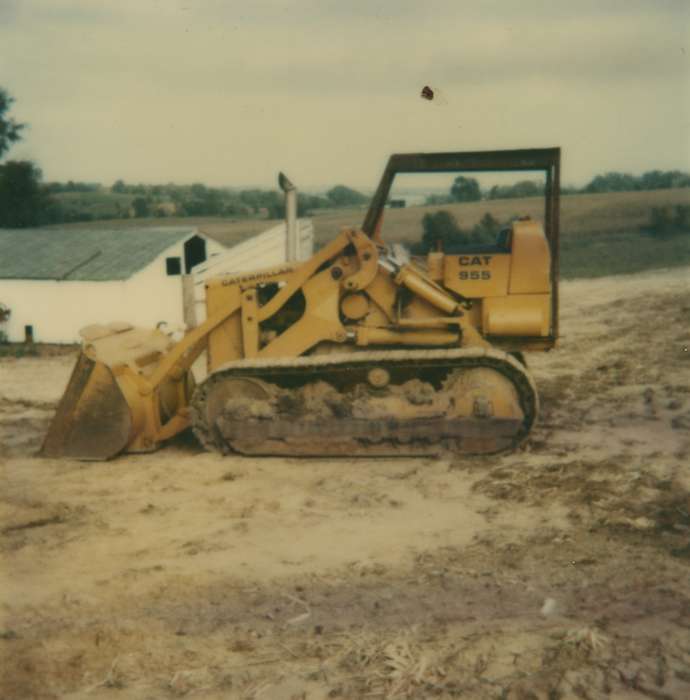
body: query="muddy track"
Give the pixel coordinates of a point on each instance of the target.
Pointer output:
(338, 432)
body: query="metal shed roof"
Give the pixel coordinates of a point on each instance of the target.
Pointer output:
(83, 254)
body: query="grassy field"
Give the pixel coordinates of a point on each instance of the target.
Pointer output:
(580, 214)
(603, 254)
(96, 204)
(600, 233)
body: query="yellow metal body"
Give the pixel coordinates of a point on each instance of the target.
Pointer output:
(350, 294)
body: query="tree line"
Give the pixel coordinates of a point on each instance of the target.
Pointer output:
(26, 201)
(199, 200)
(467, 189)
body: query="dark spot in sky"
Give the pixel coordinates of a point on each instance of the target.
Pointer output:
(427, 93)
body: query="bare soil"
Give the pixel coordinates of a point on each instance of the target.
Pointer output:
(559, 571)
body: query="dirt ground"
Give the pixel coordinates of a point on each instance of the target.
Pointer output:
(559, 571)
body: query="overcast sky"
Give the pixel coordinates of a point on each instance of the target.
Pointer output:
(228, 93)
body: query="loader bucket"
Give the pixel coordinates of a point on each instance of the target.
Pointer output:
(93, 420)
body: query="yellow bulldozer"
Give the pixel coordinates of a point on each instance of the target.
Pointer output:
(359, 350)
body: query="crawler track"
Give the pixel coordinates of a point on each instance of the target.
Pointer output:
(283, 421)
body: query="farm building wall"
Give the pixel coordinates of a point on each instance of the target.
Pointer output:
(57, 309)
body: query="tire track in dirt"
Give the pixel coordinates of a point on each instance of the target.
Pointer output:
(558, 571)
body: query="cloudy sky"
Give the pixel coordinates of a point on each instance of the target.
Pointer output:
(229, 92)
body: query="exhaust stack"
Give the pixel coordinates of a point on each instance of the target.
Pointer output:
(292, 241)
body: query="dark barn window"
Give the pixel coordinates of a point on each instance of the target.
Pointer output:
(194, 253)
(173, 266)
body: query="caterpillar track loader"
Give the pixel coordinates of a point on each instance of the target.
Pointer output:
(360, 350)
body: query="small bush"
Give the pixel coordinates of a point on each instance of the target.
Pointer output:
(683, 217)
(442, 226)
(665, 222)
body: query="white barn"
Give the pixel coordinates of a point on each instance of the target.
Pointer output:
(267, 249)
(55, 281)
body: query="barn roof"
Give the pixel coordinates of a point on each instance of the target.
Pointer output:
(83, 254)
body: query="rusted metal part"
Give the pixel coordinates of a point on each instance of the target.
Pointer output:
(92, 420)
(349, 437)
(110, 405)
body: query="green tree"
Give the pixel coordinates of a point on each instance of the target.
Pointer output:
(23, 202)
(198, 190)
(486, 231)
(651, 180)
(436, 199)
(440, 227)
(342, 196)
(252, 199)
(524, 188)
(213, 202)
(308, 202)
(119, 187)
(613, 182)
(10, 130)
(141, 207)
(666, 222)
(658, 180)
(465, 189)
(203, 201)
